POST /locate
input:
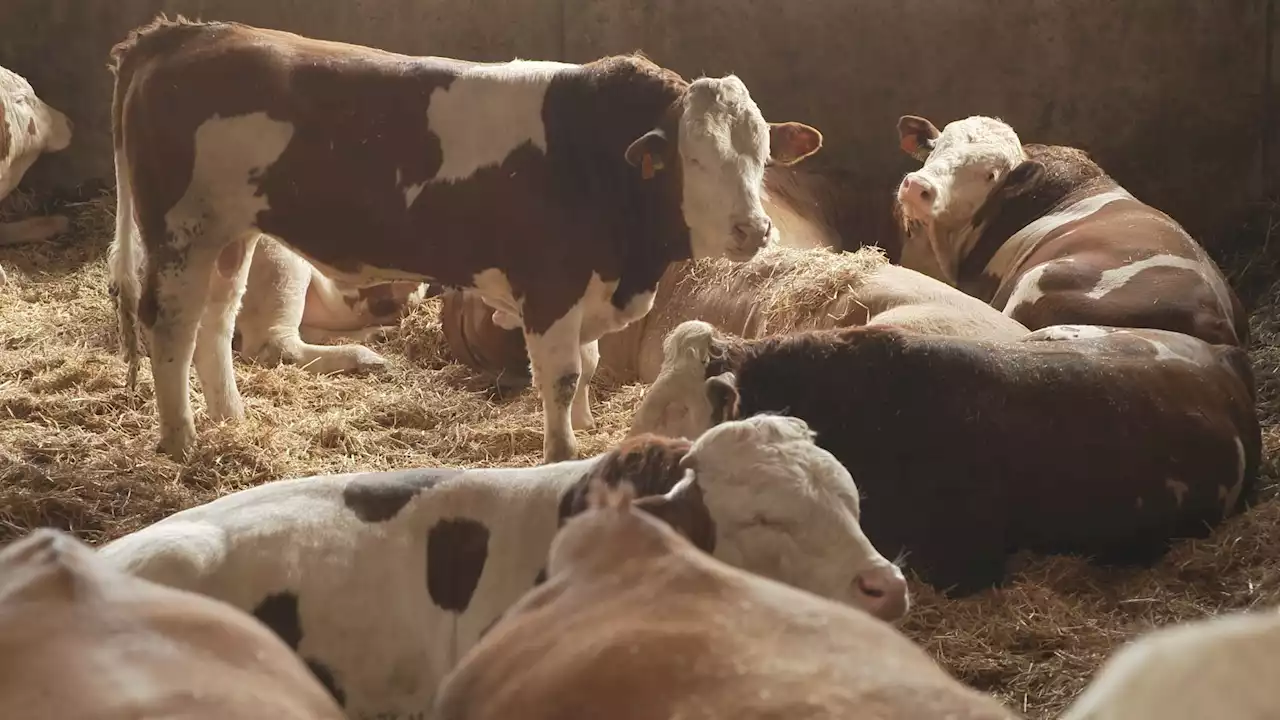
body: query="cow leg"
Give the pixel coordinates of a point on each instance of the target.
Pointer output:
(321, 336)
(556, 360)
(270, 319)
(213, 356)
(173, 298)
(589, 355)
(34, 229)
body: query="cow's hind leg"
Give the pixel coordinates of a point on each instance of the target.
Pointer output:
(213, 356)
(589, 355)
(173, 298)
(556, 360)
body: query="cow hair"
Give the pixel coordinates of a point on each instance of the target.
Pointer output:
(650, 464)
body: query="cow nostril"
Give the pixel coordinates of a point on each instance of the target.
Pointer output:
(869, 590)
(926, 194)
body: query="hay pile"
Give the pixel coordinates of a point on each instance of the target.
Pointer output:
(76, 452)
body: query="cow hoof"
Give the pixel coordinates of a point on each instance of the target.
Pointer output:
(177, 443)
(582, 421)
(368, 361)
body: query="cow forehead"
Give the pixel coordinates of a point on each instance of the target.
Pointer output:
(721, 113)
(976, 140)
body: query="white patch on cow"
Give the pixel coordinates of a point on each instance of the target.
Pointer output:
(1116, 278)
(411, 191)
(495, 290)
(223, 179)
(1178, 488)
(487, 113)
(1027, 290)
(1231, 496)
(1165, 351)
(1014, 252)
(1070, 332)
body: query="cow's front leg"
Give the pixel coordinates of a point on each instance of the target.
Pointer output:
(589, 356)
(555, 357)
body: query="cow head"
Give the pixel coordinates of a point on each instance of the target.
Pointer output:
(786, 509)
(722, 146)
(28, 127)
(965, 164)
(683, 401)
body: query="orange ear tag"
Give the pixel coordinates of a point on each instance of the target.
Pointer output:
(646, 167)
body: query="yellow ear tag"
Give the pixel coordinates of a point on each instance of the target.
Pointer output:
(646, 167)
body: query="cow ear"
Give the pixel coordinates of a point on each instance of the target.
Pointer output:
(1026, 176)
(791, 142)
(916, 136)
(722, 393)
(647, 152)
(684, 509)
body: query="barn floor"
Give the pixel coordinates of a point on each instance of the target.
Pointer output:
(76, 451)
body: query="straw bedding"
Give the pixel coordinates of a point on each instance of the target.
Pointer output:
(76, 451)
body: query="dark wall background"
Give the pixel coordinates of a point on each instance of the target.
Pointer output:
(1174, 97)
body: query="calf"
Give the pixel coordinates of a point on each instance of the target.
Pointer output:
(560, 192)
(291, 311)
(781, 289)
(1042, 233)
(1100, 441)
(633, 623)
(1220, 667)
(29, 127)
(336, 564)
(79, 639)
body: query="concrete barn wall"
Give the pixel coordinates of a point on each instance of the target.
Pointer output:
(1171, 96)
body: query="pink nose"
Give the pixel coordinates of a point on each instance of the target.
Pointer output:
(752, 234)
(917, 194)
(883, 592)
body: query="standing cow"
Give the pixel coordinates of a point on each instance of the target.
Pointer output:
(559, 191)
(29, 127)
(1045, 235)
(382, 581)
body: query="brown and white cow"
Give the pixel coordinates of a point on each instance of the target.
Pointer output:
(1045, 235)
(29, 127)
(634, 623)
(1100, 441)
(381, 581)
(79, 639)
(559, 191)
(293, 313)
(1219, 667)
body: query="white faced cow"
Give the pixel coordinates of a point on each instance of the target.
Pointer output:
(1044, 234)
(81, 640)
(560, 192)
(382, 581)
(29, 127)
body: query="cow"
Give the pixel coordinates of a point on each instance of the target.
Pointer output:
(29, 128)
(1223, 666)
(558, 191)
(1045, 235)
(382, 580)
(634, 623)
(782, 289)
(292, 313)
(80, 639)
(1099, 441)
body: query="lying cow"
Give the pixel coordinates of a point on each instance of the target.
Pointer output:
(1079, 439)
(633, 623)
(561, 192)
(1041, 232)
(336, 564)
(780, 290)
(292, 313)
(79, 639)
(1220, 667)
(29, 127)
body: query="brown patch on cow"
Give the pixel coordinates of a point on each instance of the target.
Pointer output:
(379, 497)
(31, 127)
(477, 342)
(723, 397)
(360, 138)
(687, 513)
(652, 464)
(6, 139)
(279, 612)
(457, 550)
